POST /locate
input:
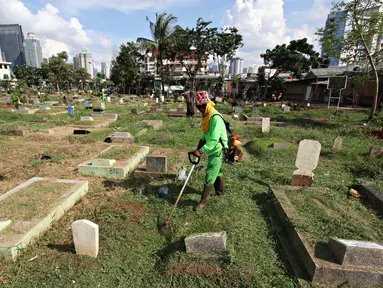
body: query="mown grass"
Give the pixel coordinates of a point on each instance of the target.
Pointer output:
(134, 254)
(119, 152)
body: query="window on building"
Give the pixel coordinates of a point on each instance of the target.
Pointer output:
(1, 66)
(5, 66)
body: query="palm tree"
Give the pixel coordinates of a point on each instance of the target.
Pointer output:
(162, 30)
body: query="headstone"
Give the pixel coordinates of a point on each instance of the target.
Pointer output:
(154, 124)
(45, 108)
(86, 118)
(156, 164)
(206, 243)
(280, 145)
(156, 100)
(46, 131)
(265, 125)
(338, 143)
(237, 110)
(306, 162)
(357, 253)
(162, 98)
(286, 109)
(15, 130)
(122, 137)
(103, 162)
(121, 101)
(86, 238)
(375, 152)
(162, 137)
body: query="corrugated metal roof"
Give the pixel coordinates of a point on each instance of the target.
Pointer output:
(330, 71)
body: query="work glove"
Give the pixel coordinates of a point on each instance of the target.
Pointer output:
(200, 144)
(197, 153)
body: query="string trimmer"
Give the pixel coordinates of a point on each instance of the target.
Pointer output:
(164, 227)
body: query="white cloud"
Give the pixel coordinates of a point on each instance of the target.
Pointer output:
(261, 24)
(105, 42)
(52, 47)
(55, 33)
(125, 6)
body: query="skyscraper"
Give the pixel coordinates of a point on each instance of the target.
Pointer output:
(103, 68)
(95, 71)
(33, 51)
(84, 60)
(12, 44)
(236, 66)
(338, 21)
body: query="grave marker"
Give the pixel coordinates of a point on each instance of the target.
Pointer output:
(265, 125)
(86, 118)
(357, 253)
(338, 142)
(286, 109)
(156, 164)
(122, 137)
(45, 108)
(86, 238)
(206, 243)
(306, 162)
(46, 131)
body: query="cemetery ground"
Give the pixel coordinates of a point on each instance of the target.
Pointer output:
(134, 254)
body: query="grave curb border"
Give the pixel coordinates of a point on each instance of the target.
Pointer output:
(319, 271)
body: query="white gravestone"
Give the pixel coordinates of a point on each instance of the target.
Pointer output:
(286, 109)
(338, 142)
(265, 125)
(86, 118)
(86, 238)
(306, 162)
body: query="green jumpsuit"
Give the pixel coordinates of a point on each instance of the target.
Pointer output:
(213, 147)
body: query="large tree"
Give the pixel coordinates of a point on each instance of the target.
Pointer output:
(125, 69)
(81, 76)
(161, 30)
(31, 75)
(361, 43)
(192, 46)
(59, 69)
(298, 57)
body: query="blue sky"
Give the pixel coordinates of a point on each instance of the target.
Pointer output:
(102, 25)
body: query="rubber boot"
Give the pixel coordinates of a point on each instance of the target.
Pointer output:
(205, 197)
(219, 186)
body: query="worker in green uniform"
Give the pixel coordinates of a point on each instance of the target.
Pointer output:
(212, 142)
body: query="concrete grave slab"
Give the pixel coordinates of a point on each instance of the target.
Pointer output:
(122, 137)
(86, 238)
(103, 162)
(4, 224)
(45, 108)
(113, 116)
(374, 198)
(46, 131)
(357, 253)
(15, 130)
(29, 224)
(320, 271)
(154, 124)
(86, 118)
(206, 243)
(157, 164)
(120, 170)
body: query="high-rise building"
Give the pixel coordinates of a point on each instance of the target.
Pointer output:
(84, 60)
(338, 21)
(244, 71)
(95, 71)
(45, 60)
(12, 44)
(33, 51)
(103, 68)
(236, 66)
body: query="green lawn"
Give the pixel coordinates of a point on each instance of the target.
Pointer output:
(134, 254)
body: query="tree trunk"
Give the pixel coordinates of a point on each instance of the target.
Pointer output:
(58, 87)
(376, 75)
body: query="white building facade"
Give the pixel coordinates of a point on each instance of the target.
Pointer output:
(5, 70)
(236, 66)
(84, 60)
(33, 51)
